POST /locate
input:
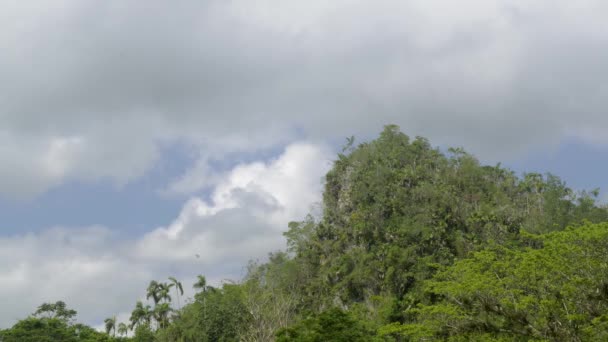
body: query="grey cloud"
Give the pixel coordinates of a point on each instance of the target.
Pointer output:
(499, 77)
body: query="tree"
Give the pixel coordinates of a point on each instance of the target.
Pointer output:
(215, 315)
(158, 292)
(270, 297)
(164, 292)
(110, 325)
(153, 291)
(140, 315)
(122, 329)
(179, 290)
(57, 310)
(143, 333)
(201, 283)
(161, 314)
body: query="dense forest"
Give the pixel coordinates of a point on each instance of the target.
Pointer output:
(414, 243)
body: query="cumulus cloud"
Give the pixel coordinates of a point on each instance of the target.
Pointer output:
(499, 77)
(247, 210)
(101, 273)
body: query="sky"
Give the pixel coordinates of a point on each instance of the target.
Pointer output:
(147, 139)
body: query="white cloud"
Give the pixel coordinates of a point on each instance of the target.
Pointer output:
(247, 209)
(100, 273)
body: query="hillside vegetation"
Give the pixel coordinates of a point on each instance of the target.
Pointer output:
(413, 244)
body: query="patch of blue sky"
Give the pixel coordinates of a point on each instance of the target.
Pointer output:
(581, 165)
(131, 208)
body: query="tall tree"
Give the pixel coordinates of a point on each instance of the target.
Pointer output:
(201, 283)
(140, 315)
(164, 292)
(153, 291)
(57, 310)
(122, 329)
(161, 314)
(179, 290)
(110, 325)
(202, 287)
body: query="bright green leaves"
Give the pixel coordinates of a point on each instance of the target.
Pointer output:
(558, 292)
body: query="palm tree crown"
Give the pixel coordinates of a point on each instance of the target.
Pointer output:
(110, 325)
(179, 290)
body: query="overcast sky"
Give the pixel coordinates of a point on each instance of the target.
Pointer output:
(135, 135)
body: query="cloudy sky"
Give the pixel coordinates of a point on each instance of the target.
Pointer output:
(135, 135)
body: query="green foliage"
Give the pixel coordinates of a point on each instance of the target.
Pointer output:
(396, 209)
(141, 315)
(39, 330)
(110, 325)
(558, 292)
(271, 294)
(56, 310)
(52, 322)
(215, 315)
(332, 325)
(143, 333)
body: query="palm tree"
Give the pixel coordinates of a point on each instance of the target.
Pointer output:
(161, 314)
(110, 324)
(201, 283)
(179, 290)
(141, 314)
(122, 329)
(153, 291)
(164, 292)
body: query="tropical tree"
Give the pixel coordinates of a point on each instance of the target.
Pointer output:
(201, 283)
(57, 310)
(110, 325)
(122, 329)
(164, 292)
(153, 291)
(140, 315)
(202, 287)
(179, 290)
(161, 314)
